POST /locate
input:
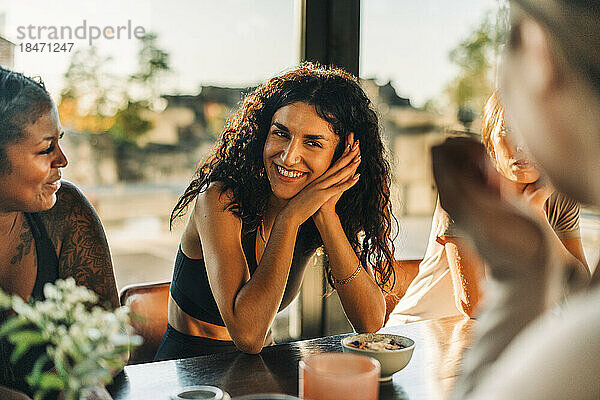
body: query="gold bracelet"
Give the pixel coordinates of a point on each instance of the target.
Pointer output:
(348, 279)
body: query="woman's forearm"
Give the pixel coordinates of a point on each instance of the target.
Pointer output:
(361, 298)
(258, 300)
(466, 269)
(571, 253)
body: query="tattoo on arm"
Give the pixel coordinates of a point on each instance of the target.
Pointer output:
(84, 252)
(24, 247)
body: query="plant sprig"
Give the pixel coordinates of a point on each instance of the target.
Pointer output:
(85, 344)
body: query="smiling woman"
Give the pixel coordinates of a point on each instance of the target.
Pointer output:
(299, 147)
(288, 176)
(48, 229)
(34, 164)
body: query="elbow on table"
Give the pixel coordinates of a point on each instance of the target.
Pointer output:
(370, 326)
(249, 344)
(368, 330)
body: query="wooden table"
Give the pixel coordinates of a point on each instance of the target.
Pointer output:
(429, 375)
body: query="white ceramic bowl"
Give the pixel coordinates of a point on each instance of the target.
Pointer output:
(201, 392)
(391, 361)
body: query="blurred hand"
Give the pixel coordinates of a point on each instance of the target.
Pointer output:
(506, 234)
(340, 177)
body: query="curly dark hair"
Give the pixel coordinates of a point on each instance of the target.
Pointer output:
(364, 210)
(22, 101)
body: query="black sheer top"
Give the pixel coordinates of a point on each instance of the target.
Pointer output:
(13, 375)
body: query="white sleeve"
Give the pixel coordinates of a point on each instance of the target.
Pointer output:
(556, 357)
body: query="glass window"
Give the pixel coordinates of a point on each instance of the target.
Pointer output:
(407, 67)
(133, 171)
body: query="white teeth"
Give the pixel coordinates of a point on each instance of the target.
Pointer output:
(289, 174)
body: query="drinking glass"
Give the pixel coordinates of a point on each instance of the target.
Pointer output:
(334, 376)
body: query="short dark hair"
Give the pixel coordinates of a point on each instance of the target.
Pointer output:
(22, 101)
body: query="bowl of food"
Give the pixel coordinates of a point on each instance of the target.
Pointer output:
(392, 351)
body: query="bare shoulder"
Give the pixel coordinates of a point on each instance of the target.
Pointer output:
(214, 195)
(213, 200)
(212, 217)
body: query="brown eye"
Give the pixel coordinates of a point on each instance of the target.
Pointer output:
(280, 134)
(49, 150)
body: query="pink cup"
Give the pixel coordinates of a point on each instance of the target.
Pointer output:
(335, 376)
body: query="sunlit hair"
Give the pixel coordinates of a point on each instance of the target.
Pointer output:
(22, 101)
(237, 162)
(492, 120)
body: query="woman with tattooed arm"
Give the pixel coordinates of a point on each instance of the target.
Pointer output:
(48, 229)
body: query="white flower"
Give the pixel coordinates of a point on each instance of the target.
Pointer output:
(94, 333)
(83, 343)
(119, 340)
(50, 291)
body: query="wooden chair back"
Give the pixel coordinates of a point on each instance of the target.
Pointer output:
(149, 304)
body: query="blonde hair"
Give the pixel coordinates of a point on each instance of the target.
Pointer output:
(492, 120)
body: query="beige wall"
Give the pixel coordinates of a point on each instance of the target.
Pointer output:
(166, 125)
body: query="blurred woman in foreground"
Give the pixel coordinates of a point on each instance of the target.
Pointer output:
(551, 89)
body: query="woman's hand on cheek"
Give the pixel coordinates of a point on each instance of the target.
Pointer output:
(340, 177)
(352, 147)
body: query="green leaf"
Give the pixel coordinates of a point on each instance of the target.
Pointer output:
(31, 337)
(23, 341)
(61, 364)
(40, 394)
(12, 324)
(50, 381)
(18, 352)
(5, 300)
(33, 379)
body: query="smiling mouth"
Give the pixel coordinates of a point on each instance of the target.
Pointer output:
(55, 185)
(290, 174)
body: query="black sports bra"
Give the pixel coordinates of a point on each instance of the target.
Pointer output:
(190, 288)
